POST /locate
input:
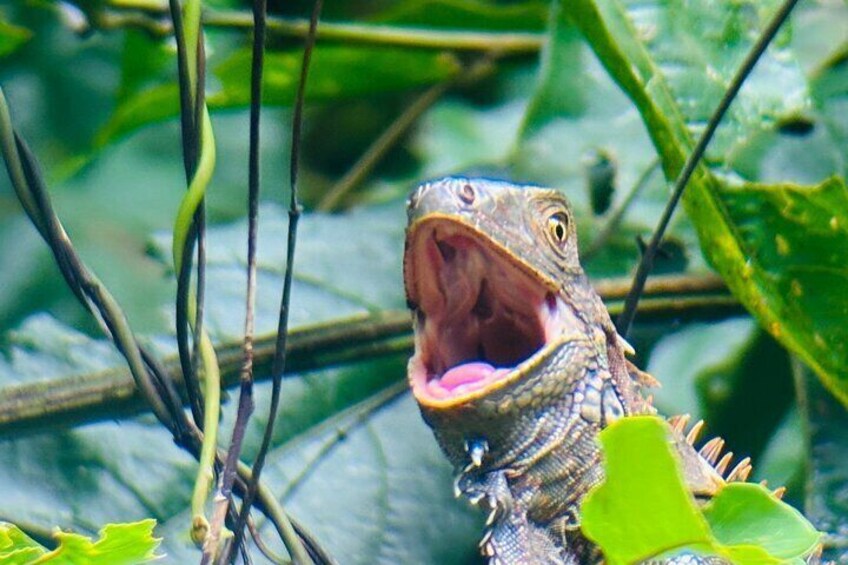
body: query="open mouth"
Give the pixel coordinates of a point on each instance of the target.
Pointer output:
(479, 314)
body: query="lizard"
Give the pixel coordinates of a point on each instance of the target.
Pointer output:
(517, 366)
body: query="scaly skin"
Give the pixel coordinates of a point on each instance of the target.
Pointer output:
(482, 258)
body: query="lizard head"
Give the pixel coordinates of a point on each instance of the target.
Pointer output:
(484, 268)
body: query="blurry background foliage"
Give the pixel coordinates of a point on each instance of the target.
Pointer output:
(92, 87)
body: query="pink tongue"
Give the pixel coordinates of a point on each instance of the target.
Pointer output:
(466, 373)
(475, 374)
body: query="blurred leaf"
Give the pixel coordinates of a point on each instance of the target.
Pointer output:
(12, 37)
(143, 60)
(560, 86)
(730, 374)
(455, 136)
(820, 39)
(830, 91)
(680, 360)
(473, 14)
(118, 544)
(382, 493)
(643, 510)
(337, 72)
(801, 318)
(825, 430)
(783, 459)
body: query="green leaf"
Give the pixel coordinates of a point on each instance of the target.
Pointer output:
(337, 72)
(16, 547)
(560, 87)
(680, 360)
(643, 509)
(745, 513)
(118, 544)
(12, 37)
(643, 505)
(796, 240)
(719, 209)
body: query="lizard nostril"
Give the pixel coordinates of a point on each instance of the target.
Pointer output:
(466, 194)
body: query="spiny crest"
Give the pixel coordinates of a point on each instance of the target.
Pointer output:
(711, 450)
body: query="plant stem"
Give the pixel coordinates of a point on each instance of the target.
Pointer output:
(293, 543)
(213, 550)
(505, 43)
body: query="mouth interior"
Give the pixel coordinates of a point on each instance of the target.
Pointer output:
(479, 315)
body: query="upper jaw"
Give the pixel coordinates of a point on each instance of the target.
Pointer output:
(480, 315)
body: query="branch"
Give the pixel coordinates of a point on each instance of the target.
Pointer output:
(112, 395)
(153, 21)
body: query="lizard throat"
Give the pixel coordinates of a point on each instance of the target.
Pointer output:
(479, 315)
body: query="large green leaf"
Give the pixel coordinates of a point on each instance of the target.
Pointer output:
(630, 529)
(337, 72)
(343, 460)
(745, 513)
(720, 209)
(643, 510)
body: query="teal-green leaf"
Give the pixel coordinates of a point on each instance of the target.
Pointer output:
(392, 504)
(335, 72)
(643, 507)
(747, 514)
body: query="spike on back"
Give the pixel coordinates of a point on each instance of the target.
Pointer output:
(723, 463)
(692, 436)
(712, 449)
(678, 423)
(711, 453)
(740, 472)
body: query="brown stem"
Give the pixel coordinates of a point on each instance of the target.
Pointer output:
(507, 43)
(109, 395)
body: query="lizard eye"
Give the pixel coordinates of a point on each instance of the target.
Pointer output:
(558, 227)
